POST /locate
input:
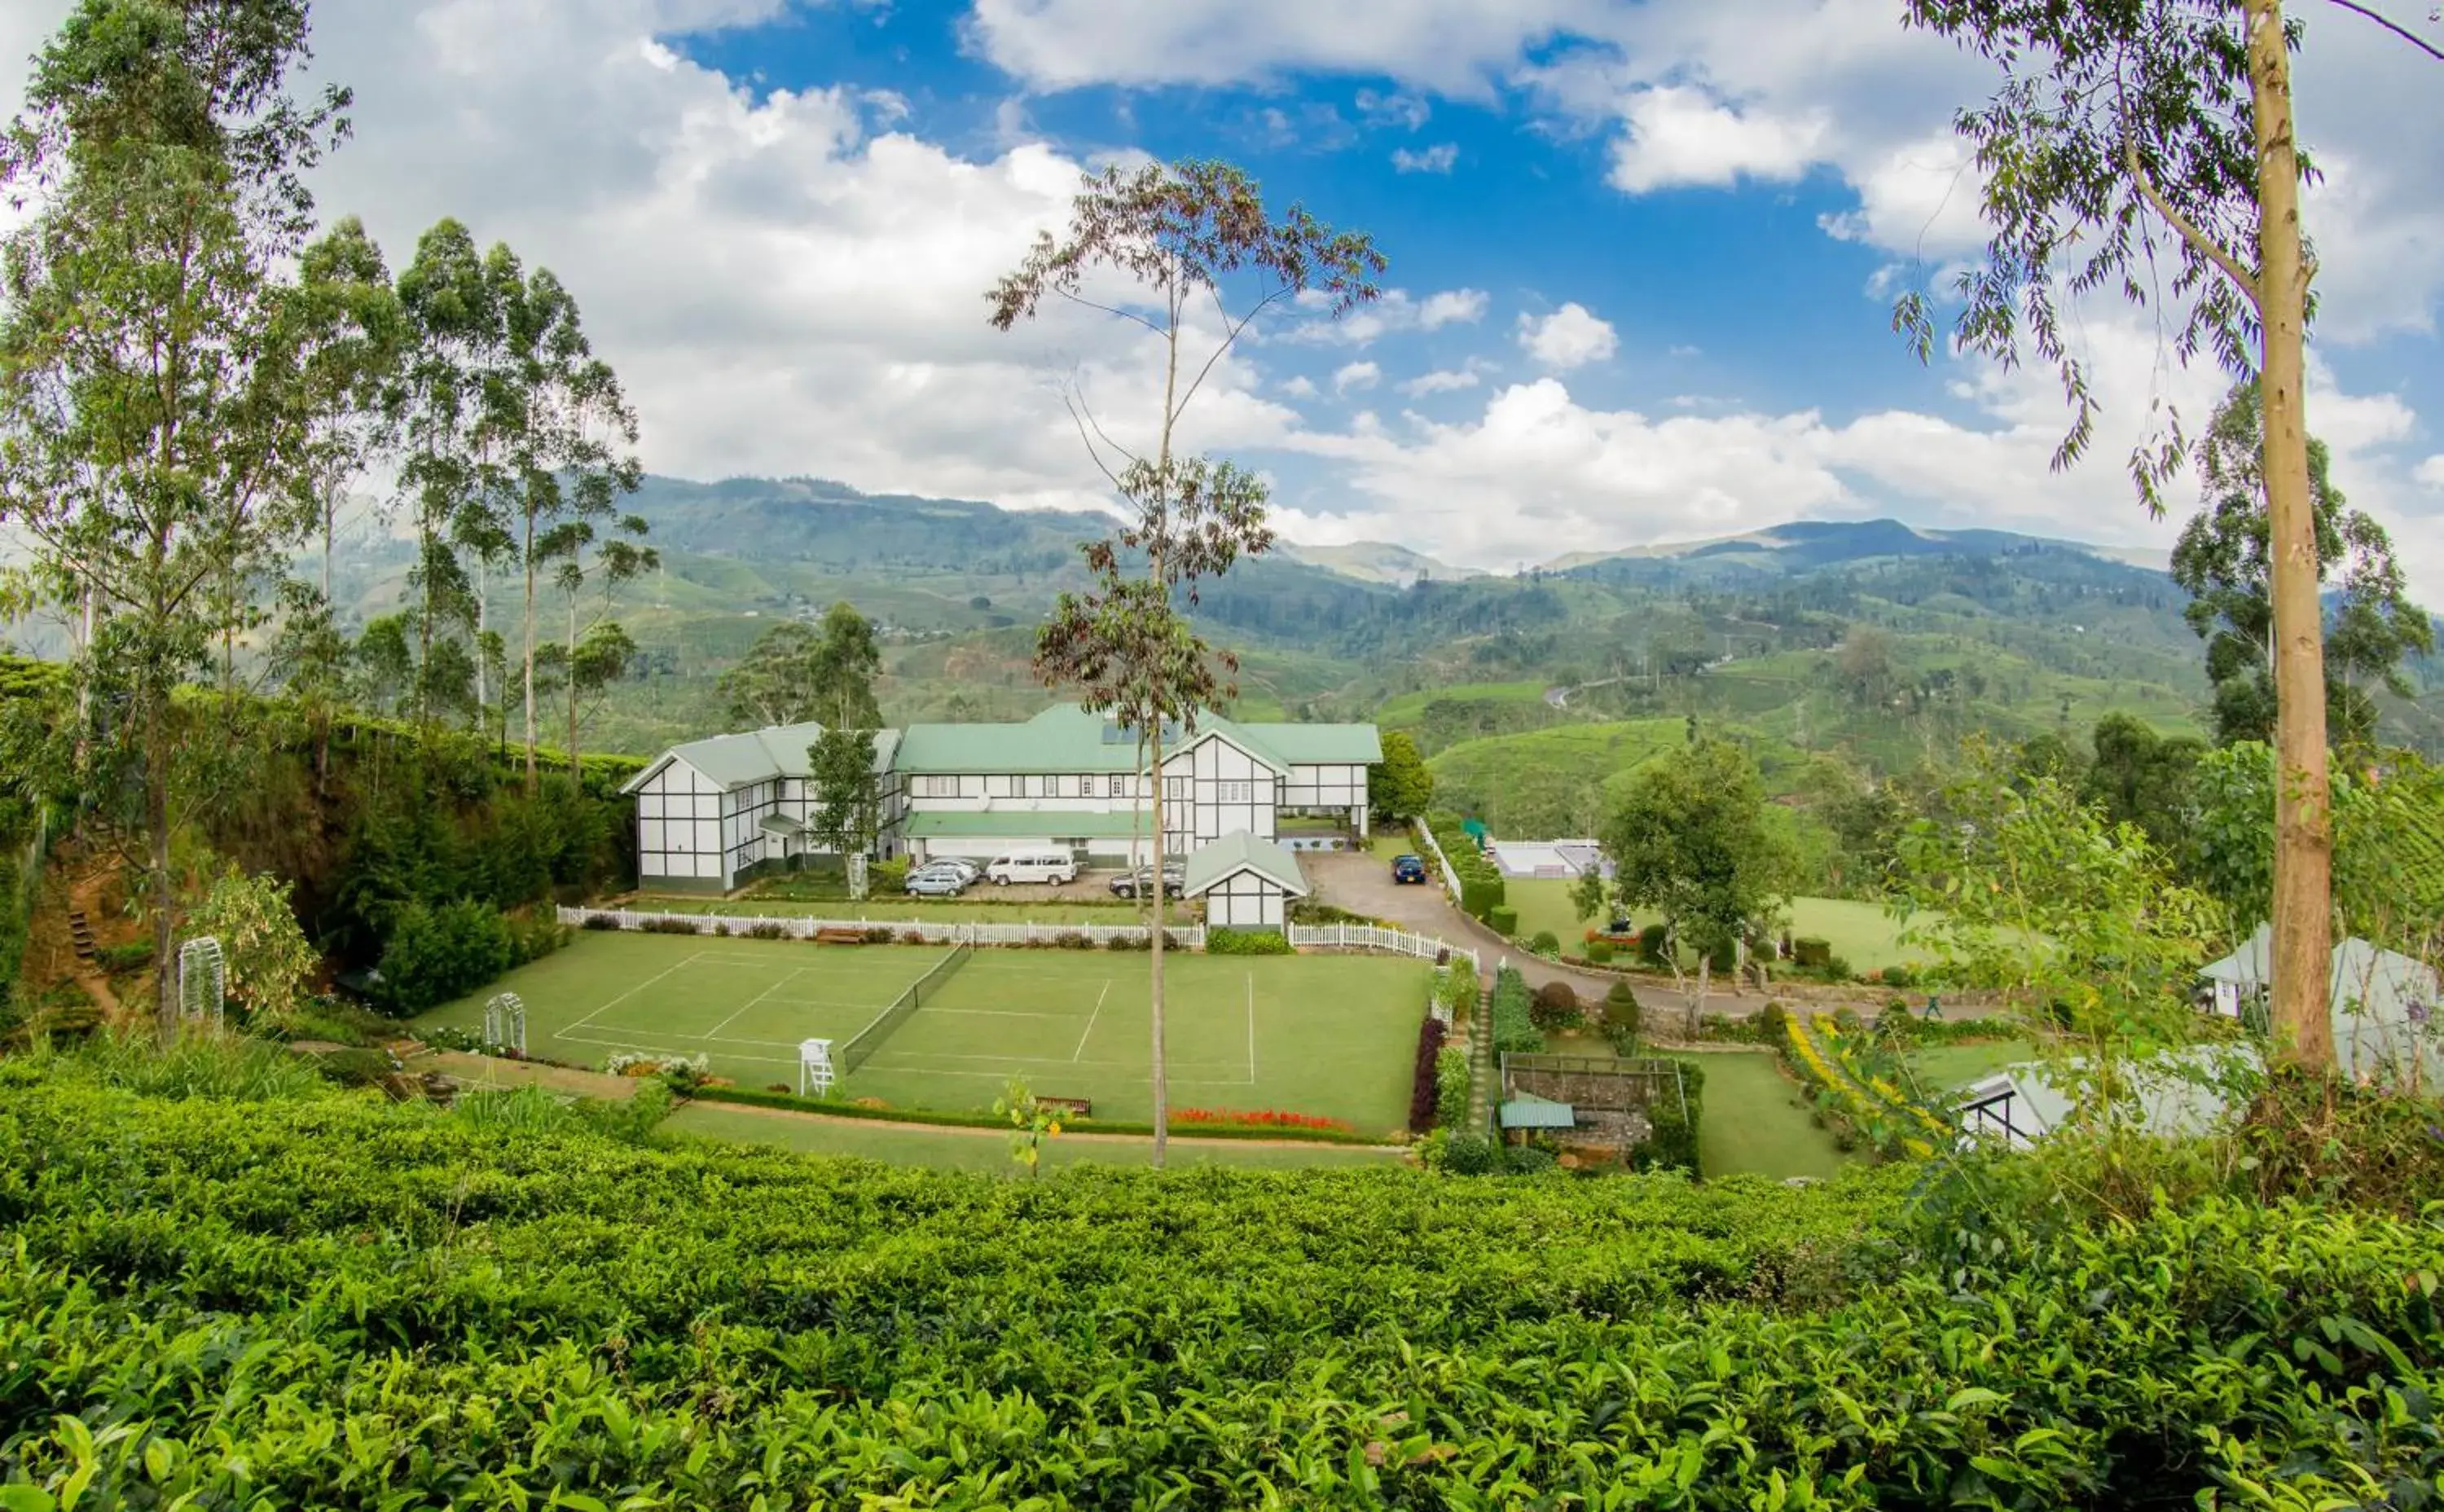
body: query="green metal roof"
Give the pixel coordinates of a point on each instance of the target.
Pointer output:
(758, 755)
(1065, 738)
(1528, 1110)
(1241, 851)
(1020, 823)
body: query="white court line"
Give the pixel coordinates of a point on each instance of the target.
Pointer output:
(930, 1011)
(715, 1033)
(662, 1050)
(1251, 1028)
(923, 1060)
(563, 1032)
(1090, 1020)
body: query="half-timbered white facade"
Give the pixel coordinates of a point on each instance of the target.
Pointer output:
(713, 812)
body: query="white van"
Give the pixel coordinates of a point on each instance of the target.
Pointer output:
(1031, 866)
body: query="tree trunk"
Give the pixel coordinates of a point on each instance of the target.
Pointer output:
(532, 781)
(1161, 917)
(156, 820)
(2303, 841)
(572, 693)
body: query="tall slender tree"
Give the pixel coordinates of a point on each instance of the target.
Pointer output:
(1185, 236)
(150, 413)
(451, 309)
(2126, 129)
(2222, 558)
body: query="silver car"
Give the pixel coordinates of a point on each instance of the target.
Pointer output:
(937, 882)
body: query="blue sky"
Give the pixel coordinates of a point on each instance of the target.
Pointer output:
(1642, 255)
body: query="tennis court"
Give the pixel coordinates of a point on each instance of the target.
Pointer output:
(1326, 1034)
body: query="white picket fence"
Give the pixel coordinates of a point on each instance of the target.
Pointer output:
(973, 932)
(1451, 878)
(1370, 938)
(934, 932)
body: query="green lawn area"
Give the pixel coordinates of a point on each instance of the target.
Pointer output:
(908, 1143)
(1754, 1121)
(1950, 1067)
(1326, 1034)
(1860, 933)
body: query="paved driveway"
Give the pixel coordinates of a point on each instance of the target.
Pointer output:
(1362, 884)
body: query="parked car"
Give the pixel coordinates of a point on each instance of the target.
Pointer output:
(1031, 866)
(936, 881)
(967, 866)
(1138, 882)
(1408, 868)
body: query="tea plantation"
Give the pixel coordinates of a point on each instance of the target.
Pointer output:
(335, 1303)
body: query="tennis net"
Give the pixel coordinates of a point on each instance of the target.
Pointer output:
(868, 1039)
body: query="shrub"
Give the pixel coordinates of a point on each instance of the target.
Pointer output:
(1224, 941)
(1724, 958)
(672, 926)
(1810, 951)
(886, 877)
(1620, 1011)
(1455, 989)
(881, 935)
(1836, 968)
(123, 960)
(1465, 1152)
(1546, 944)
(1512, 1011)
(1453, 1081)
(534, 934)
(1073, 940)
(906, 936)
(1895, 1021)
(720, 928)
(1423, 1088)
(1128, 942)
(438, 953)
(770, 931)
(1600, 952)
(1899, 976)
(1555, 1006)
(600, 921)
(1502, 921)
(1769, 1022)
(1652, 942)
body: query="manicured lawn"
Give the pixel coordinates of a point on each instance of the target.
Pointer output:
(1860, 933)
(1950, 1067)
(959, 1150)
(1754, 1121)
(1331, 1036)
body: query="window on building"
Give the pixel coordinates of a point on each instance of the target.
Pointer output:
(937, 787)
(1238, 792)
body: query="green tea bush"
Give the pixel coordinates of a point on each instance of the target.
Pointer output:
(343, 1302)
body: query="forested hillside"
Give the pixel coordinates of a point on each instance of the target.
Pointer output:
(1870, 638)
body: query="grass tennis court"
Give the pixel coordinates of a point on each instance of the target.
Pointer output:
(1326, 1034)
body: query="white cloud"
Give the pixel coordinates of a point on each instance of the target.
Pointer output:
(1442, 380)
(2429, 473)
(1435, 159)
(1570, 337)
(1394, 108)
(1300, 386)
(1461, 305)
(1677, 135)
(1355, 376)
(1452, 46)
(1397, 310)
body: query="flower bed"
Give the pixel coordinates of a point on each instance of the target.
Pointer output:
(1260, 1118)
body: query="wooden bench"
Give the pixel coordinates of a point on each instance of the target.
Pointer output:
(1073, 1107)
(840, 936)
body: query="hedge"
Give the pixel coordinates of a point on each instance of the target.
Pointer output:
(1512, 1009)
(1671, 1145)
(1423, 1089)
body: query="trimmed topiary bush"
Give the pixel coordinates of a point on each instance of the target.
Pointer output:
(1555, 1008)
(1652, 942)
(1225, 941)
(1502, 921)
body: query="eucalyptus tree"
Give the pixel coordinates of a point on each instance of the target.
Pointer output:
(2222, 558)
(596, 550)
(565, 435)
(349, 332)
(151, 417)
(2146, 148)
(435, 401)
(1189, 241)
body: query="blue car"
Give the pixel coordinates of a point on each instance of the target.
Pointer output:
(1408, 868)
